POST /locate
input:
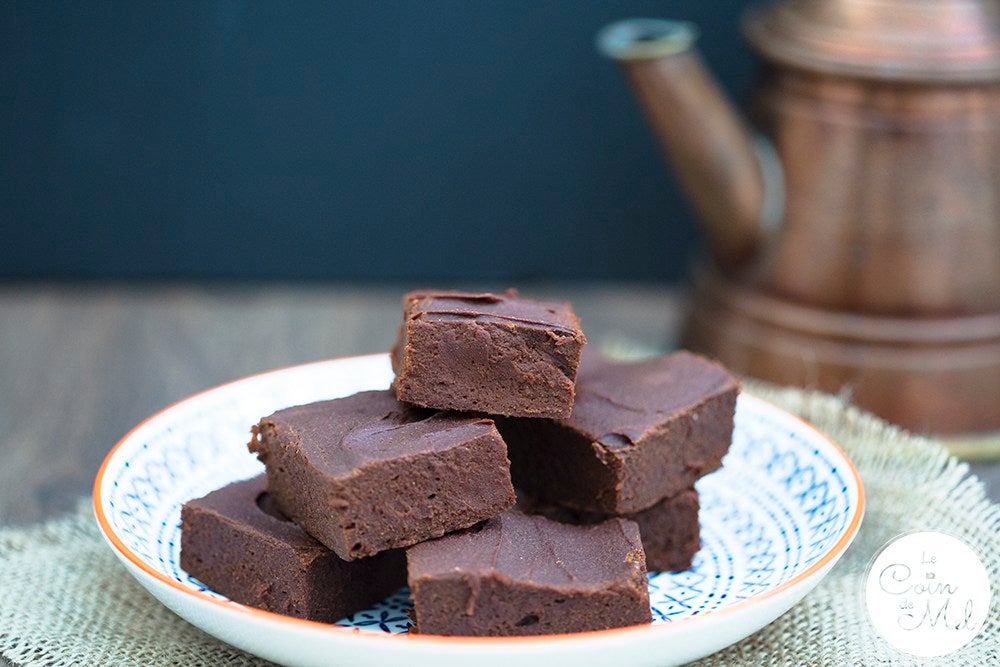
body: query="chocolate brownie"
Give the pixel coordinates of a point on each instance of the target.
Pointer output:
(639, 432)
(238, 544)
(500, 354)
(669, 529)
(527, 575)
(367, 473)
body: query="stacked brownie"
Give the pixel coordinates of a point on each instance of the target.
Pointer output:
(415, 483)
(639, 437)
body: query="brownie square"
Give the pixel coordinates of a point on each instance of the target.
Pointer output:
(367, 473)
(500, 354)
(639, 432)
(670, 532)
(527, 575)
(238, 544)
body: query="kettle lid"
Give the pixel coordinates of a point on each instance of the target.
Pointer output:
(899, 40)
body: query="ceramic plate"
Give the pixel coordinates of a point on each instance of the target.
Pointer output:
(774, 519)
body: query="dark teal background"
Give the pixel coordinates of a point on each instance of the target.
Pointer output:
(408, 140)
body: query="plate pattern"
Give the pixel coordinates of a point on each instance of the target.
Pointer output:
(778, 504)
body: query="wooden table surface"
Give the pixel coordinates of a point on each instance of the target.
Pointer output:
(80, 365)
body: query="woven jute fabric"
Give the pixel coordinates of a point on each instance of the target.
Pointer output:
(66, 600)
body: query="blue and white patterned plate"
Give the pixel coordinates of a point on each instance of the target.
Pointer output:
(779, 513)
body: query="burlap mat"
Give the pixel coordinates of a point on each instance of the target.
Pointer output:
(65, 599)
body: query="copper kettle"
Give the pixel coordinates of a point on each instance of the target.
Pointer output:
(854, 232)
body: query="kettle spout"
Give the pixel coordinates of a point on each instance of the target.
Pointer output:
(707, 143)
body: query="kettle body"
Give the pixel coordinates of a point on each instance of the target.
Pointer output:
(892, 194)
